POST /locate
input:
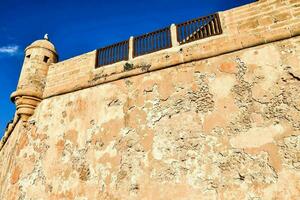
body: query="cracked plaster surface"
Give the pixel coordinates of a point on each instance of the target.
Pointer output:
(223, 128)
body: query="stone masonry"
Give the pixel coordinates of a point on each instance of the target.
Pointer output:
(217, 118)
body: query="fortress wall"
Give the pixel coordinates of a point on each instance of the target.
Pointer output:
(247, 26)
(218, 118)
(226, 127)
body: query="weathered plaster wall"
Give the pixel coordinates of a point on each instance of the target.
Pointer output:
(227, 127)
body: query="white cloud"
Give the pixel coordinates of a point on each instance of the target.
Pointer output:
(10, 49)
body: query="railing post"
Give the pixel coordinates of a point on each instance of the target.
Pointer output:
(173, 30)
(131, 48)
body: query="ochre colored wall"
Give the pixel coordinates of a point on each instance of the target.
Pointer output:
(227, 127)
(217, 118)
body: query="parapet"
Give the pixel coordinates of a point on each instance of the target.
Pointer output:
(254, 24)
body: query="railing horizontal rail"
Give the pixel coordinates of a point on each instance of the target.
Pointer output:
(198, 28)
(113, 53)
(150, 42)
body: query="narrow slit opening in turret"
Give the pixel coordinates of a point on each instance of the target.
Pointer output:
(46, 58)
(28, 56)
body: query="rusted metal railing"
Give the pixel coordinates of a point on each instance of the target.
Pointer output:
(199, 28)
(151, 42)
(174, 35)
(112, 54)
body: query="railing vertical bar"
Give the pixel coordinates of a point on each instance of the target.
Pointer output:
(208, 26)
(135, 47)
(110, 55)
(211, 23)
(190, 30)
(146, 45)
(116, 53)
(145, 42)
(204, 27)
(198, 25)
(149, 43)
(139, 46)
(99, 57)
(107, 56)
(119, 52)
(104, 56)
(178, 33)
(121, 56)
(161, 40)
(136, 43)
(140, 42)
(169, 38)
(156, 41)
(219, 23)
(124, 51)
(142, 45)
(152, 41)
(195, 32)
(185, 32)
(113, 54)
(165, 34)
(125, 54)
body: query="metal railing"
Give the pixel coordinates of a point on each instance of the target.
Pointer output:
(198, 29)
(186, 32)
(151, 42)
(113, 53)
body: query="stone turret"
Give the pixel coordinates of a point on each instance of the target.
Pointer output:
(38, 56)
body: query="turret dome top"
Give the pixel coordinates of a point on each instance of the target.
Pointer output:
(43, 43)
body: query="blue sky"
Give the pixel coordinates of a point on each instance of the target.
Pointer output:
(76, 27)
